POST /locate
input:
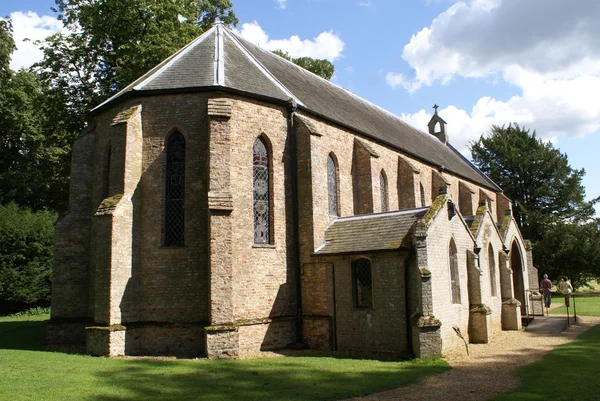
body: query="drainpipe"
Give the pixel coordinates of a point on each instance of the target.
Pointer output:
(291, 108)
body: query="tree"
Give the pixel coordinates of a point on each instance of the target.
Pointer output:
(7, 46)
(113, 42)
(321, 67)
(35, 142)
(548, 200)
(25, 258)
(571, 250)
(543, 186)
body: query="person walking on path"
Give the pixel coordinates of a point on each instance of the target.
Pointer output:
(566, 289)
(546, 286)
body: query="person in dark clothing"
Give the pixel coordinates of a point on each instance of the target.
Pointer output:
(546, 285)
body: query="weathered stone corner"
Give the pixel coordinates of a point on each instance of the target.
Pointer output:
(106, 340)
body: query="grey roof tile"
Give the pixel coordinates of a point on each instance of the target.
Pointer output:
(372, 232)
(253, 70)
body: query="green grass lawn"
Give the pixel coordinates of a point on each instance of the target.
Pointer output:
(586, 306)
(569, 372)
(27, 372)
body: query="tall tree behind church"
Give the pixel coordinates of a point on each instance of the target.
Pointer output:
(535, 175)
(548, 200)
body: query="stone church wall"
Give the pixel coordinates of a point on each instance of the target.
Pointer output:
(441, 231)
(489, 236)
(381, 329)
(264, 286)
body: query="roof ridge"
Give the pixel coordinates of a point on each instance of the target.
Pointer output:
(261, 67)
(361, 99)
(162, 66)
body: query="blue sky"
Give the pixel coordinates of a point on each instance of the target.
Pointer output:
(483, 61)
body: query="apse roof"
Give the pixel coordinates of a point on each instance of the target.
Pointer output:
(221, 59)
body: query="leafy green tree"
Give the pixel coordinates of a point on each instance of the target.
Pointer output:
(113, 42)
(543, 186)
(25, 258)
(548, 200)
(35, 137)
(572, 250)
(7, 46)
(321, 67)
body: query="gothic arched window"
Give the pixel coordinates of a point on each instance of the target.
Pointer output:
(175, 190)
(332, 186)
(454, 281)
(362, 283)
(261, 192)
(492, 266)
(422, 195)
(383, 190)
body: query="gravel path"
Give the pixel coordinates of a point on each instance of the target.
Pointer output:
(488, 371)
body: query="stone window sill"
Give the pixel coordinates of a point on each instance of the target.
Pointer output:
(264, 246)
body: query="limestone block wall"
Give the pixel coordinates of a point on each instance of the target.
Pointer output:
(327, 138)
(513, 236)
(439, 234)
(489, 236)
(263, 275)
(383, 328)
(70, 277)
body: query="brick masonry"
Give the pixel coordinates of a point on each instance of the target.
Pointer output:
(223, 296)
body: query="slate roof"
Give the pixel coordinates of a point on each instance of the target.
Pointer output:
(387, 231)
(222, 60)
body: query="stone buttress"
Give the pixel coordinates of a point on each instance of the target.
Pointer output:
(222, 337)
(112, 239)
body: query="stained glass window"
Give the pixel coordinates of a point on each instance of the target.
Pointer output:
(362, 283)
(261, 190)
(492, 263)
(383, 191)
(175, 190)
(454, 281)
(332, 187)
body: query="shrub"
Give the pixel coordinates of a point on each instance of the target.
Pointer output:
(26, 241)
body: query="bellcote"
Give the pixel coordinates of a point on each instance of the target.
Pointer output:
(435, 121)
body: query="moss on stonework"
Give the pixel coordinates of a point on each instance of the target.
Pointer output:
(396, 244)
(125, 115)
(505, 223)
(425, 272)
(108, 205)
(112, 327)
(434, 209)
(427, 321)
(482, 309)
(221, 327)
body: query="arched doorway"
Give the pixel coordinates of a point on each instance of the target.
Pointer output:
(516, 265)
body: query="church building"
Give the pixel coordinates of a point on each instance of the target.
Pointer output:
(229, 202)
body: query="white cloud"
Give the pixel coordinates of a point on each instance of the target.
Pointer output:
(27, 28)
(396, 80)
(326, 45)
(548, 50)
(366, 4)
(281, 3)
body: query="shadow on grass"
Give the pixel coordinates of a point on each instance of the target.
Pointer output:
(23, 335)
(264, 379)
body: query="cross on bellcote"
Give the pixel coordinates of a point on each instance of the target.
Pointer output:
(435, 107)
